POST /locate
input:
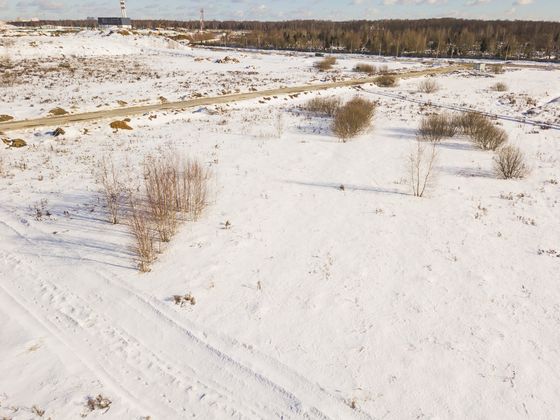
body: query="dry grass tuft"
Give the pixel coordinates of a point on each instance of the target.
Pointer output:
(428, 86)
(386, 80)
(365, 68)
(326, 63)
(500, 87)
(4, 118)
(353, 118)
(435, 127)
(509, 162)
(326, 106)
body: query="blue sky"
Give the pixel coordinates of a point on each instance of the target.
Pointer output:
(286, 9)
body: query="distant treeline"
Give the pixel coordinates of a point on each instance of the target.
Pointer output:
(445, 37)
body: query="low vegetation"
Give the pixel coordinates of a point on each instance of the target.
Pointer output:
(500, 87)
(421, 163)
(325, 106)
(353, 118)
(482, 131)
(428, 86)
(174, 192)
(112, 187)
(325, 64)
(386, 80)
(365, 68)
(436, 127)
(509, 162)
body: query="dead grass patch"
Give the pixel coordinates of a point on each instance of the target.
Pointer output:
(325, 64)
(4, 118)
(365, 68)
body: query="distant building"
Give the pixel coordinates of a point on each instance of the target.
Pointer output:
(111, 22)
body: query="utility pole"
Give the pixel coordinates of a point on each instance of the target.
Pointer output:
(201, 20)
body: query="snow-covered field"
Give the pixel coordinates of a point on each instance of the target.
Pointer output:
(324, 288)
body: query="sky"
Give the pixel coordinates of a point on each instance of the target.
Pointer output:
(285, 9)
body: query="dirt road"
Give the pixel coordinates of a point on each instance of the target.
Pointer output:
(122, 112)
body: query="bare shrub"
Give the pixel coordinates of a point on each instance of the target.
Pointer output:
(421, 163)
(428, 86)
(140, 227)
(325, 64)
(113, 188)
(497, 68)
(386, 80)
(353, 118)
(500, 87)
(384, 69)
(436, 127)
(365, 68)
(326, 106)
(160, 178)
(488, 137)
(469, 122)
(192, 188)
(509, 162)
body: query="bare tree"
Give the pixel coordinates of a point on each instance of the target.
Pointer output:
(421, 162)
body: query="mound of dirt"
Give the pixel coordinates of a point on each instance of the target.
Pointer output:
(17, 143)
(120, 125)
(58, 111)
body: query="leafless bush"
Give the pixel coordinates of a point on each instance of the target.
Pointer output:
(325, 64)
(488, 137)
(428, 86)
(500, 87)
(192, 188)
(436, 127)
(497, 68)
(141, 229)
(469, 122)
(113, 188)
(353, 118)
(509, 162)
(421, 163)
(3, 170)
(160, 178)
(365, 68)
(327, 106)
(386, 80)
(384, 69)
(99, 403)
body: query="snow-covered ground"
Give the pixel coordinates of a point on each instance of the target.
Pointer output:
(317, 301)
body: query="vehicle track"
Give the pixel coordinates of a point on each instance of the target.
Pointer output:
(169, 106)
(111, 327)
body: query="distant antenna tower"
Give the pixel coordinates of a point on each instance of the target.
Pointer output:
(201, 20)
(123, 9)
